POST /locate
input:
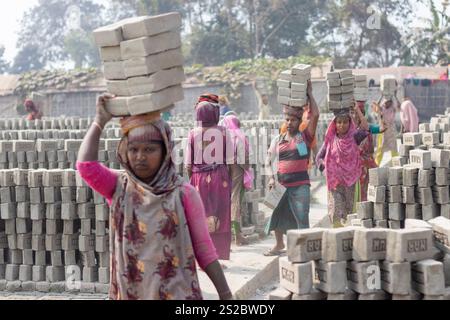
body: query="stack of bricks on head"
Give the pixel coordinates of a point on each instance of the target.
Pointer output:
(143, 63)
(340, 90)
(293, 84)
(396, 246)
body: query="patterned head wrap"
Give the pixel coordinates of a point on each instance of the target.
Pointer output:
(293, 111)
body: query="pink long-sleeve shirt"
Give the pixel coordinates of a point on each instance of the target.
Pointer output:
(104, 180)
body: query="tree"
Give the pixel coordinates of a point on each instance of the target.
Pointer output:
(55, 21)
(429, 45)
(27, 59)
(4, 65)
(82, 49)
(357, 33)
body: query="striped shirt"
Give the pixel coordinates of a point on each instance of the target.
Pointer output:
(292, 167)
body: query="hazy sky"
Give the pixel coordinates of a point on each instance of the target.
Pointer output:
(11, 13)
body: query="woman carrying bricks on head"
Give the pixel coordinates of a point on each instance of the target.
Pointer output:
(33, 111)
(241, 176)
(388, 140)
(292, 150)
(208, 153)
(367, 149)
(157, 222)
(340, 157)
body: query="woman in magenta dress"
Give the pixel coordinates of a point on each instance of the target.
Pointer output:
(208, 154)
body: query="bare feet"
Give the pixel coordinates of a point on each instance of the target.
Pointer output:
(241, 240)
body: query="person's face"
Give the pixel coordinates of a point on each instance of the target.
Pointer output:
(145, 159)
(293, 123)
(342, 125)
(265, 99)
(388, 104)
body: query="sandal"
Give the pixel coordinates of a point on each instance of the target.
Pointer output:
(273, 253)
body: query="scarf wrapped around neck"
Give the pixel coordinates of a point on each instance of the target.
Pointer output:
(342, 160)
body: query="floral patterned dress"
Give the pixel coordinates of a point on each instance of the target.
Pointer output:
(152, 256)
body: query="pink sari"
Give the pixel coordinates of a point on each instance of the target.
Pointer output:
(342, 159)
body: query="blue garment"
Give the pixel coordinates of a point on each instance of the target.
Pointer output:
(166, 116)
(224, 109)
(374, 128)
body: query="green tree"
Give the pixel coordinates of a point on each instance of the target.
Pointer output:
(48, 27)
(360, 33)
(27, 59)
(429, 45)
(82, 49)
(4, 65)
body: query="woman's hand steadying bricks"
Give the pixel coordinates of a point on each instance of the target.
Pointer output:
(102, 116)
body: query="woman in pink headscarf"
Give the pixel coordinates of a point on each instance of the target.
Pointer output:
(240, 171)
(208, 154)
(409, 116)
(340, 157)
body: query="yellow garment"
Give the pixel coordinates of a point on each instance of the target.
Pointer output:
(380, 152)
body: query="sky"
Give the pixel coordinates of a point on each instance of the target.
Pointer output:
(12, 12)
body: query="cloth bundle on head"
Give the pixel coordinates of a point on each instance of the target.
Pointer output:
(150, 128)
(208, 97)
(342, 113)
(208, 114)
(30, 106)
(342, 159)
(293, 111)
(140, 128)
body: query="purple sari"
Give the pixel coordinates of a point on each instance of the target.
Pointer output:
(206, 157)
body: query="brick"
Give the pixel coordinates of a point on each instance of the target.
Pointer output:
(88, 259)
(52, 178)
(399, 161)
(426, 178)
(68, 194)
(369, 244)
(23, 145)
(100, 228)
(14, 286)
(69, 178)
(103, 275)
(428, 277)
(102, 212)
(395, 176)
(412, 139)
(409, 245)
(37, 211)
(441, 233)
(84, 194)
(22, 194)
(379, 295)
(53, 227)
(332, 276)
(54, 274)
(430, 211)
(420, 159)
(408, 195)
(102, 243)
(12, 272)
(440, 158)
(20, 177)
(70, 227)
(53, 242)
(38, 275)
(148, 26)
(58, 287)
(36, 195)
(7, 195)
(145, 46)
(10, 227)
(348, 295)
(38, 242)
(104, 259)
(424, 196)
(365, 210)
(295, 277)
(24, 241)
(416, 223)
(394, 194)
(86, 243)
(70, 242)
(155, 101)
(378, 176)
(445, 210)
(441, 194)
(38, 227)
(86, 210)
(109, 36)
(430, 138)
(25, 273)
(52, 195)
(56, 258)
(8, 211)
(90, 274)
(442, 176)
(396, 277)
(446, 265)
(410, 176)
(35, 178)
(380, 211)
(69, 211)
(360, 276)
(28, 286)
(27, 257)
(46, 145)
(53, 211)
(376, 194)
(395, 224)
(337, 244)
(87, 287)
(396, 211)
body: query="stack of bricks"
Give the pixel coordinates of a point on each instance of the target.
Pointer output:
(52, 228)
(340, 90)
(361, 89)
(293, 86)
(142, 63)
(356, 263)
(388, 86)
